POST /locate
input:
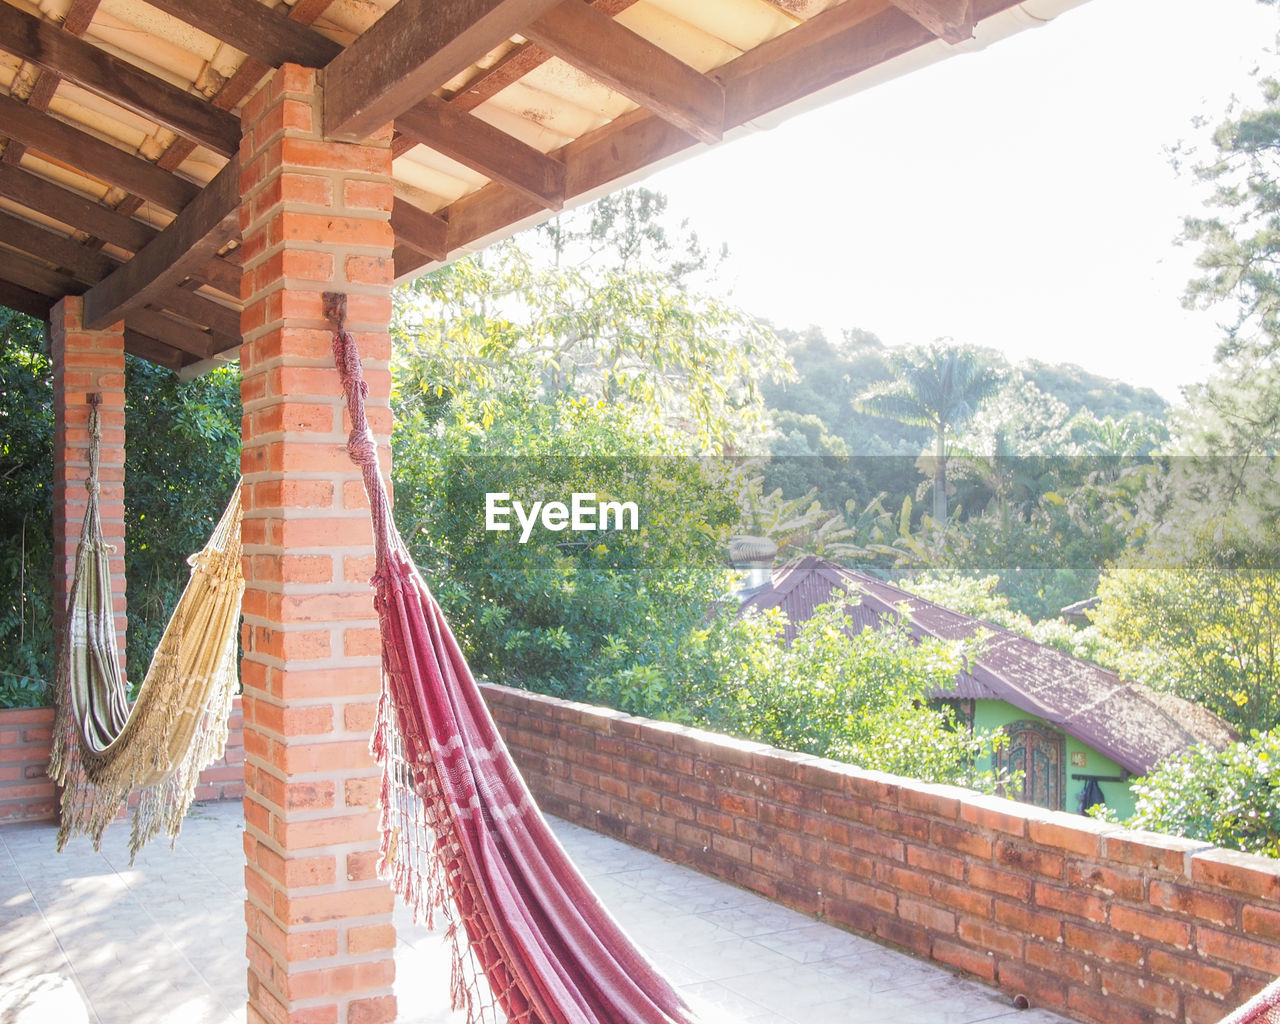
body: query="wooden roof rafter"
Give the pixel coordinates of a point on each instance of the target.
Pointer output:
(191, 240)
(77, 20)
(951, 20)
(483, 95)
(609, 52)
(66, 55)
(410, 52)
(25, 300)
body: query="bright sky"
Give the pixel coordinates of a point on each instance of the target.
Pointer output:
(1019, 197)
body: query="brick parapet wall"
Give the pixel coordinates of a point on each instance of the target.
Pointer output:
(26, 791)
(28, 794)
(1098, 922)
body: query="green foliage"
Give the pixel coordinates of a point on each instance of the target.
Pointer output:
(560, 609)
(860, 698)
(182, 460)
(981, 598)
(26, 513)
(582, 359)
(1230, 798)
(1202, 621)
(624, 325)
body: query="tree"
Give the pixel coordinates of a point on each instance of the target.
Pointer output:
(182, 460)
(557, 611)
(26, 513)
(1231, 431)
(622, 325)
(938, 386)
(1201, 620)
(1230, 798)
(861, 697)
(593, 365)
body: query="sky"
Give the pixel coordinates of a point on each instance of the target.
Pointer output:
(1020, 197)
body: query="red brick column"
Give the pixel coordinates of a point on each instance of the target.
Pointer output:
(85, 363)
(315, 217)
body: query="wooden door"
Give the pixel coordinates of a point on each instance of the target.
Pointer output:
(1039, 751)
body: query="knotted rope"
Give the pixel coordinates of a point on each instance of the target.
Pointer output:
(362, 446)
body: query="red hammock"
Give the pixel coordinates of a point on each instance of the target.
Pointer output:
(461, 833)
(1264, 1008)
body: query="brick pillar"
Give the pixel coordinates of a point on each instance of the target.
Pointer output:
(85, 363)
(314, 217)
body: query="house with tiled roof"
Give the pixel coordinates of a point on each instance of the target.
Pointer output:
(1079, 732)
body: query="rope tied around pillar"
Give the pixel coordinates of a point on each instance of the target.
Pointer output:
(362, 446)
(91, 484)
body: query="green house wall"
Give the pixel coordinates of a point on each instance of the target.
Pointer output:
(994, 714)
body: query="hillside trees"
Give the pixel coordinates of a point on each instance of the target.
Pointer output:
(1199, 608)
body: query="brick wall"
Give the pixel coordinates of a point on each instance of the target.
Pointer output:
(1097, 922)
(28, 794)
(224, 779)
(26, 791)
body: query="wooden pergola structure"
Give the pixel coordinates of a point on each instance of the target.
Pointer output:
(183, 179)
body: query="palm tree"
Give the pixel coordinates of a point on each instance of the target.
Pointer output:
(938, 386)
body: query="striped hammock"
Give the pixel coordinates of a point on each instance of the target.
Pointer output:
(461, 834)
(103, 749)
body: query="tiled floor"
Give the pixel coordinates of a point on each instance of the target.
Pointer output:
(85, 937)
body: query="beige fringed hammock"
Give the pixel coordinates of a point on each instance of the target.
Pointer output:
(102, 748)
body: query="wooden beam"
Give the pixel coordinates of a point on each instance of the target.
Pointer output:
(484, 148)
(410, 52)
(256, 30)
(55, 50)
(100, 159)
(19, 270)
(76, 21)
(24, 300)
(219, 275)
(39, 98)
(952, 20)
(628, 63)
(516, 64)
(192, 238)
(406, 260)
(152, 350)
(90, 266)
(72, 209)
(80, 16)
(421, 231)
(220, 319)
(175, 333)
(84, 263)
(827, 49)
